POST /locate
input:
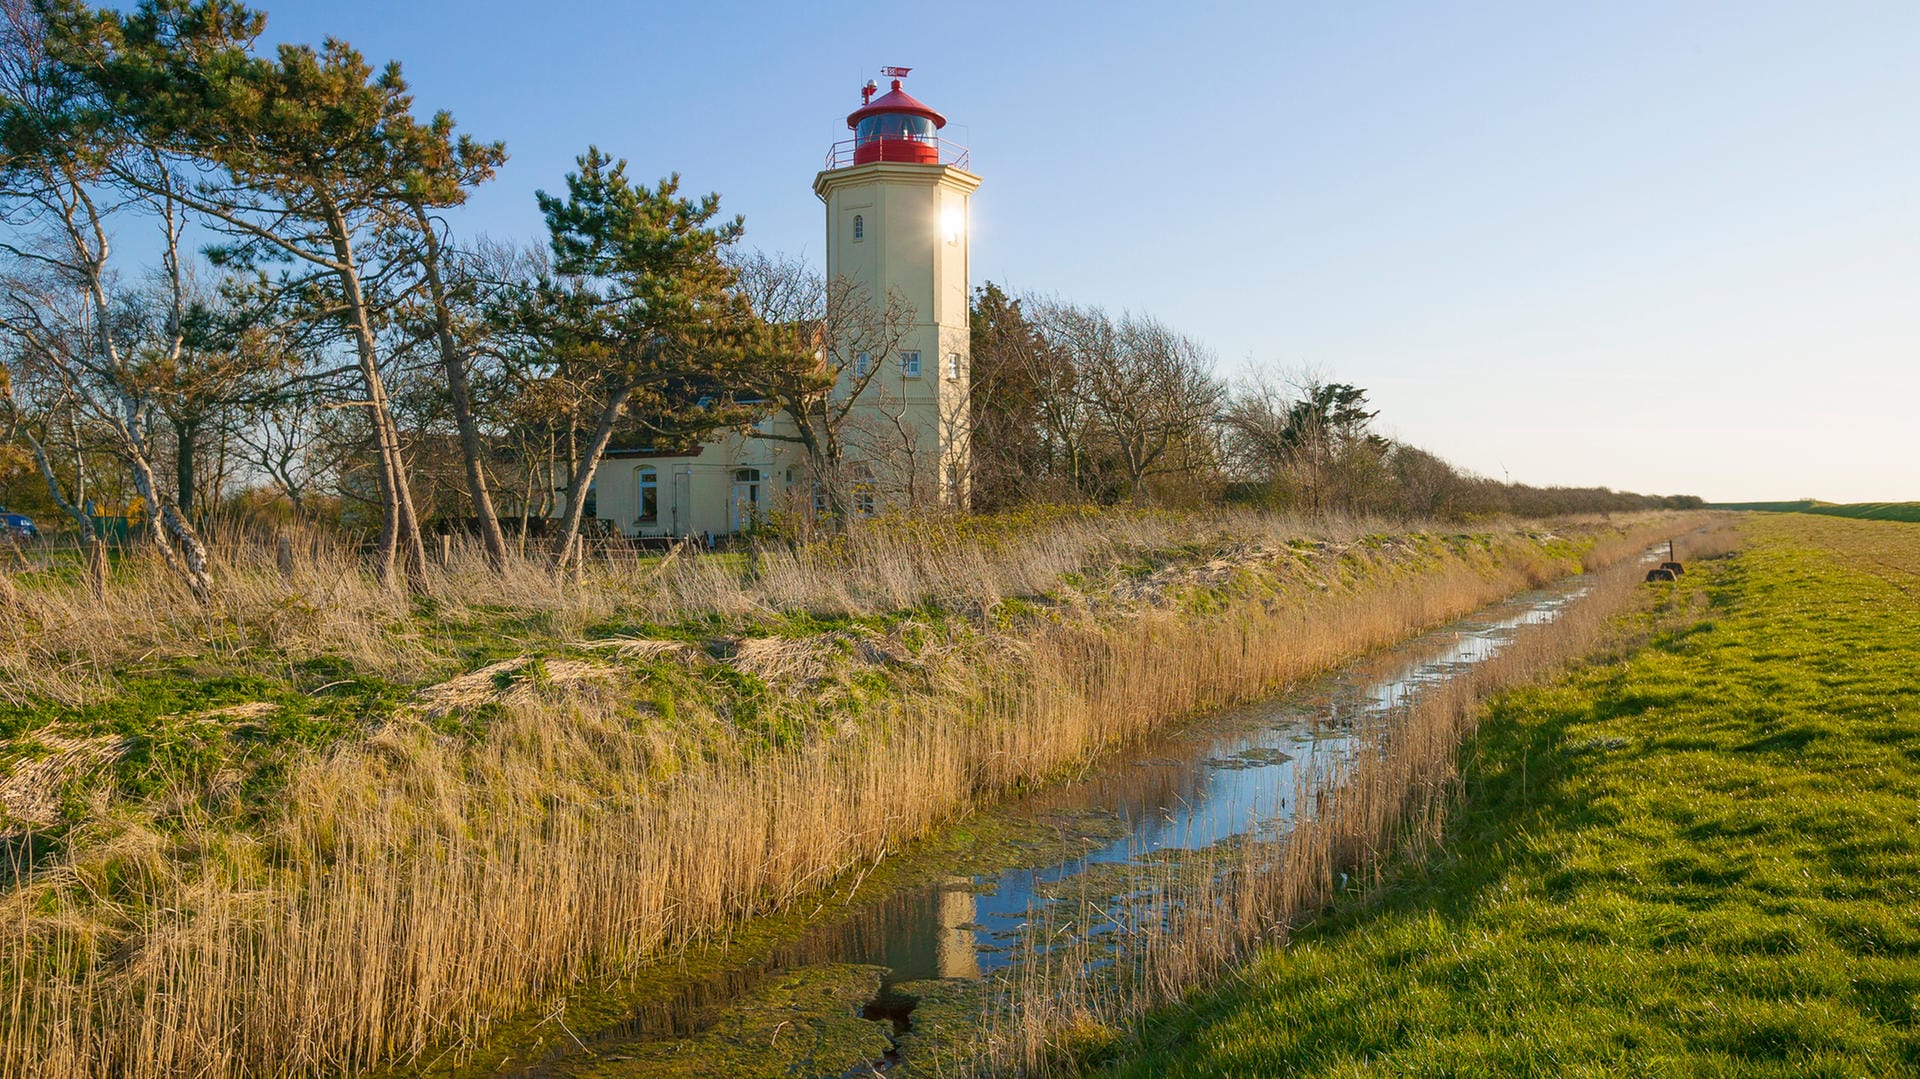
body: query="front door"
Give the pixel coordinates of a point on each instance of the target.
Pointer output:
(682, 502)
(745, 504)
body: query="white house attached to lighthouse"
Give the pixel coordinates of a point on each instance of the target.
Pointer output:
(896, 197)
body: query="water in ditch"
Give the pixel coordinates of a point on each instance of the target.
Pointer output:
(892, 965)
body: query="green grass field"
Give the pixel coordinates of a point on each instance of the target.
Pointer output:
(1701, 860)
(1867, 511)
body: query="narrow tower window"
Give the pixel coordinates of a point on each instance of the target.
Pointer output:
(859, 227)
(953, 365)
(862, 363)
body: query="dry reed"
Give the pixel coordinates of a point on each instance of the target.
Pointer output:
(418, 885)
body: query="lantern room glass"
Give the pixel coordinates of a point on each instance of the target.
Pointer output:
(893, 125)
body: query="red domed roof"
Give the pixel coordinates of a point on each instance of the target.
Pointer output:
(895, 100)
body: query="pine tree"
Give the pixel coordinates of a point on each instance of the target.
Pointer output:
(640, 316)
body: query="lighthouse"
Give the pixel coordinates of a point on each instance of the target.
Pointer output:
(897, 199)
(896, 194)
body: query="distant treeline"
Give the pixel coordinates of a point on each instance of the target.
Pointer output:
(1867, 511)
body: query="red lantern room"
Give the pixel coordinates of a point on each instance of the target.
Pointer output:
(895, 126)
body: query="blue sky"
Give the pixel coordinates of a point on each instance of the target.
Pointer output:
(1657, 246)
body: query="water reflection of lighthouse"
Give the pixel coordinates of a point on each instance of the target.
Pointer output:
(948, 952)
(958, 957)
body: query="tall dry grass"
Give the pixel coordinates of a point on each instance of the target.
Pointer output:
(417, 886)
(62, 643)
(1390, 797)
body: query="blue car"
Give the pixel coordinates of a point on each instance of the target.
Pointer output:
(18, 524)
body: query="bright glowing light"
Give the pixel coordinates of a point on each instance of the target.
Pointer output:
(952, 224)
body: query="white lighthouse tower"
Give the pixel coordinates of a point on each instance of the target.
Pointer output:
(897, 221)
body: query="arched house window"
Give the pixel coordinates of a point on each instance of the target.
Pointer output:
(859, 227)
(648, 501)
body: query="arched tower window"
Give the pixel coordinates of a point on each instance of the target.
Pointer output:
(859, 227)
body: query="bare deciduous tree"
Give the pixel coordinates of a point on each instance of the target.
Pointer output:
(107, 353)
(817, 352)
(1306, 437)
(1129, 397)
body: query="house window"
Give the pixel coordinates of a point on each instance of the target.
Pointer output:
(859, 228)
(649, 500)
(819, 499)
(862, 363)
(910, 364)
(864, 502)
(953, 365)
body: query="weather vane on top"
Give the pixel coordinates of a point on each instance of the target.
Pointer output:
(872, 88)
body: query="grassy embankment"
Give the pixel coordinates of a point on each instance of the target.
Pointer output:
(1700, 859)
(1866, 511)
(314, 826)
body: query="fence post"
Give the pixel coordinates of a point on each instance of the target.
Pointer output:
(283, 556)
(446, 549)
(97, 567)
